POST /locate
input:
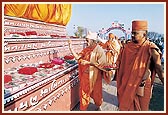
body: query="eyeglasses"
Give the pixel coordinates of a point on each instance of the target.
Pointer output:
(136, 33)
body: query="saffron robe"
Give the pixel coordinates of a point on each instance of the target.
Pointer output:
(91, 77)
(113, 49)
(133, 63)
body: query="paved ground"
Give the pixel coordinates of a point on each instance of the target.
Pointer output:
(110, 102)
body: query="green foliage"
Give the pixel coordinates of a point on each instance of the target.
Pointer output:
(80, 32)
(157, 38)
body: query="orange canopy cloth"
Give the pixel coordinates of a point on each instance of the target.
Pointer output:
(139, 25)
(50, 13)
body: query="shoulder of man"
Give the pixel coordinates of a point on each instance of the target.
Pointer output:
(153, 46)
(127, 45)
(99, 48)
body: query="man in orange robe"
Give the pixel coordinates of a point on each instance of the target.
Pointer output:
(112, 47)
(90, 59)
(138, 63)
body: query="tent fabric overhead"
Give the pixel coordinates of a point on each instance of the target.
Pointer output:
(50, 13)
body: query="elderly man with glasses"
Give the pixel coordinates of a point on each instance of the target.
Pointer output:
(138, 63)
(91, 60)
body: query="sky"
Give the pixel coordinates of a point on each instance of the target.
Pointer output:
(95, 16)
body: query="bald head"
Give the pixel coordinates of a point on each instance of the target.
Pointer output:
(111, 36)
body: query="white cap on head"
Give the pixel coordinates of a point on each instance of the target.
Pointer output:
(92, 35)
